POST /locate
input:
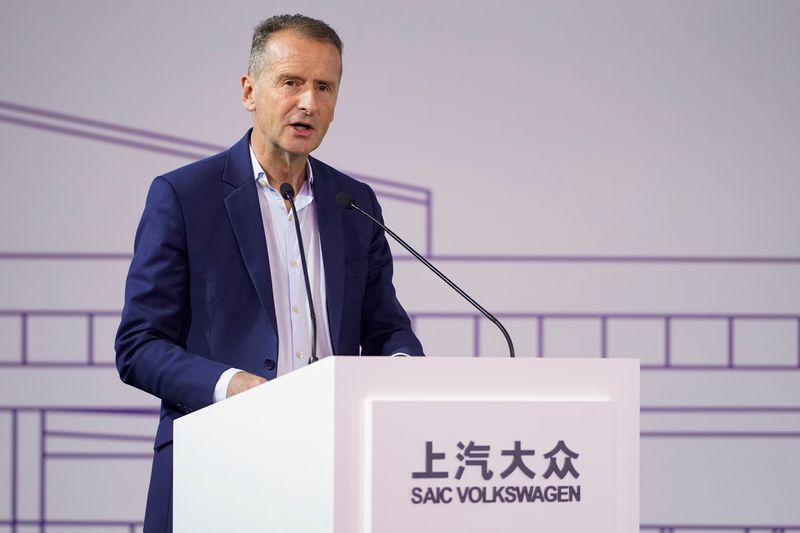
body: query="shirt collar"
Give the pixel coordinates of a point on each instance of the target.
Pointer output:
(258, 171)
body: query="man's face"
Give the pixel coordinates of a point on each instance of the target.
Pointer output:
(294, 97)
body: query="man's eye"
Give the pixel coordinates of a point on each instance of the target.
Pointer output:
(290, 83)
(324, 88)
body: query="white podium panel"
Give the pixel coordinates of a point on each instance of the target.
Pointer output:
(384, 445)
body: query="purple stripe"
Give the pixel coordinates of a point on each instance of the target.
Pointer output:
(78, 364)
(64, 256)
(540, 336)
(417, 188)
(722, 434)
(667, 342)
(87, 410)
(42, 475)
(539, 353)
(14, 458)
(107, 125)
(798, 342)
(721, 409)
(743, 368)
(394, 196)
(612, 315)
(616, 259)
(102, 138)
(88, 523)
(715, 527)
(445, 258)
(99, 455)
(58, 312)
(24, 337)
(476, 336)
(730, 342)
(98, 436)
(604, 336)
(429, 227)
(90, 338)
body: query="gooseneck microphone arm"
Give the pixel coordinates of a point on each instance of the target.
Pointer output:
(288, 193)
(347, 201)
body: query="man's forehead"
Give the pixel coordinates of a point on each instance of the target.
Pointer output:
(287, 50)
(291, 44)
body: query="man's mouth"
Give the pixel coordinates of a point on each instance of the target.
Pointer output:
(302, 126)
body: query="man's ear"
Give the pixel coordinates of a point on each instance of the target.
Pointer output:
(248, 93)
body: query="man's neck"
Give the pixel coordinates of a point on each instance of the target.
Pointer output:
(281, 167)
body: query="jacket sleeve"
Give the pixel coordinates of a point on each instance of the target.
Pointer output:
(385, 326)
(151, 340)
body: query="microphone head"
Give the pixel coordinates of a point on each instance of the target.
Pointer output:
(287, 191)
(345, 200)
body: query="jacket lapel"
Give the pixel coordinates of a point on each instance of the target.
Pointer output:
(331, 236)
(245, 216)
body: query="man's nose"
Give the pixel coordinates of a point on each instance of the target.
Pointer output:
(307, 102)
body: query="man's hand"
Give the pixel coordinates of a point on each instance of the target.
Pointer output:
(242, 381)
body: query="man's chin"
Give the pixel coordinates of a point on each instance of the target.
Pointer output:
(300, 149)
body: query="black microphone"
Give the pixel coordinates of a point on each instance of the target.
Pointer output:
(347, 201)
(288, 193)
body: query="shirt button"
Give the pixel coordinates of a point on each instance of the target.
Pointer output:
(296, 308)
(299, 355)
(269, 364)
(293, 263)
(291, 218)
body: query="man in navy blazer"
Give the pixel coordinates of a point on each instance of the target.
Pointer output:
(200, 299)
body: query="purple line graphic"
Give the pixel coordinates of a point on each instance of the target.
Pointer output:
(23, 109)
(722, 434)
(42, 474)
(620, 259)
(108, 139)
(99, 455)
(99, 436)
(604, 336)
(744, 528)
(75, 523)
(90, 338)
(476, 335)
(730, 342)
(88, 128)
(539, 321)
(721, 409)
(23, 337)
(64, 256)
(14, 460)
(667, 344)
(44, 433)
(139, 139)
(539, 336)
(151, 141)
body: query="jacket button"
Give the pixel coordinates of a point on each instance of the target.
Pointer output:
(269, 364)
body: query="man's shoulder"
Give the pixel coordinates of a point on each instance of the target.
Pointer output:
(212, 168)
(186, 175)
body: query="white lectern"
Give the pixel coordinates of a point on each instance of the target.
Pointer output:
(385, 445)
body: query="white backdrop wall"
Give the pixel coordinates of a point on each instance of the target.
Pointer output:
(612, 178)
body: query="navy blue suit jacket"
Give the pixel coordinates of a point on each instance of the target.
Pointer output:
(199, 298)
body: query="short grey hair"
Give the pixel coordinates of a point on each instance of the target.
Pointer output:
(301, 24)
